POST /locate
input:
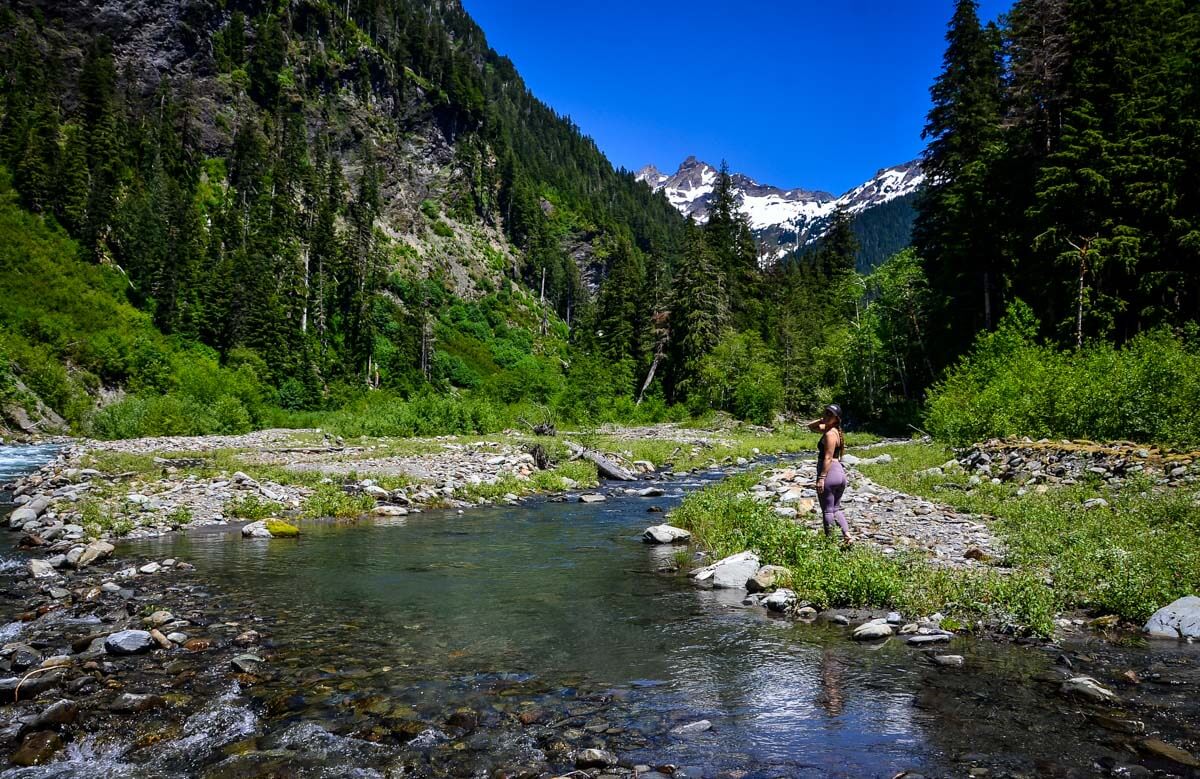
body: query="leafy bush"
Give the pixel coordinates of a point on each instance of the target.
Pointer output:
(252, 507)
(1146, 390)
(738, 376)
(329, 500)
(382, 414)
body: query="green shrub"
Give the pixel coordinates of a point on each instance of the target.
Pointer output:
(252, 507)
(1146, 390)
(738, 376)
(329, 500)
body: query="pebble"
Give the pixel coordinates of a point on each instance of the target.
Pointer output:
(129, 642)
(595, 758)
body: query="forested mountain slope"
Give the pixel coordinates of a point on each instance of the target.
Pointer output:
(316, 182)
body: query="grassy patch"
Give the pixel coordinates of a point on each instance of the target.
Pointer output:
(551, 480)
(329, 500)
(252, 507)
(97, 522)
(727, 520)
(1128, 558)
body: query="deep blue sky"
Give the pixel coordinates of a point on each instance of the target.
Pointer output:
(790, 92)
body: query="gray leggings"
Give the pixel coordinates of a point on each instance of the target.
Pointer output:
(831, 498)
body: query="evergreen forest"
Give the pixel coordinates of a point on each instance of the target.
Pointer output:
(324, 208)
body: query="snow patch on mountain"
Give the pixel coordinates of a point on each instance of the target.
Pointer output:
(782, 219)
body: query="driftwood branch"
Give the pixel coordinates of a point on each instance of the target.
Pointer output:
(607, 468)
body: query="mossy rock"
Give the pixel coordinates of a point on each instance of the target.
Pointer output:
(280, 529)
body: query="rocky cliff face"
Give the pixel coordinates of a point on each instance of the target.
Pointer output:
(784, 220)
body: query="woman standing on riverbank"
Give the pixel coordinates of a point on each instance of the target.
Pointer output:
(831, 477)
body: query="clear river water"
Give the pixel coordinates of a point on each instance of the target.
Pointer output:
(511, 636)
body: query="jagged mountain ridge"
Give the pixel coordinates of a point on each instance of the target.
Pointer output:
(784, 220)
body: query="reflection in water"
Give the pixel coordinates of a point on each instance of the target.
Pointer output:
(545, 605)
(831, 698)
(550, 624)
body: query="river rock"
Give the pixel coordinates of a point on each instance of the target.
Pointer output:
(247, 664)
(932, 638)
(947, 660)
(134, 702)
(385, 510)
(729, 573)
(592, 498)
(780, 600)
(651, 492)
(270, 528)
(129, 642)
(594, 758)
(20, 516)
(42, 569)
(766, 577)
(247, 638)
(1181, 619)
(22, 656)
(37, 748)
(159, 618)
(665, 534)
(1089, 688)
(61, 712)
(692, 728)
(93, 552)
(150, 568)
(31, 687)
(873, 630)
(1173, 753)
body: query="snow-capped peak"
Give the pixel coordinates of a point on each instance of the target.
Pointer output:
(783, 219)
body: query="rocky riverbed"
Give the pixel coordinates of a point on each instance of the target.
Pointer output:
(139, 655)
(892, 521)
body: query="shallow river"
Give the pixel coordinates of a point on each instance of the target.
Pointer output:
(510, 636)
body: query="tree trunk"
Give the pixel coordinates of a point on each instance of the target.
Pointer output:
(606, 467)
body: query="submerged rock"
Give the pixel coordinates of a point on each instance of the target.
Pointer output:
(692, 728)
(133, 702)
(37, 748)
(1173, 753)
(1088, 688)
(1181, 619)
(594, 758)
(62, 712)
(665, 534)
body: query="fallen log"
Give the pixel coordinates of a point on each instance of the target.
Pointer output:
(606, 467)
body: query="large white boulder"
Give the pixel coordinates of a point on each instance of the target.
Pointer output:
(729, 573)
(1181, 619)
(665, 534)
